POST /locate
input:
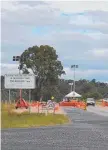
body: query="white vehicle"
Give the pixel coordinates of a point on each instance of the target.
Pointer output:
(90, 101)
(105, 99)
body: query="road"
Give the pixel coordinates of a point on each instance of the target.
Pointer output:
(103, 111)
(87, 131)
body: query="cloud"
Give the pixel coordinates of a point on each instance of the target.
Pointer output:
(77, 30)
(79, 6)
(44, 14)
(80, 74)
(99, 15)
(39, 15)
(98, 53)
(87, 74)
(10, 69)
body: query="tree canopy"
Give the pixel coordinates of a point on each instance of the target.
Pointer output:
(84, 87)
(44, 63)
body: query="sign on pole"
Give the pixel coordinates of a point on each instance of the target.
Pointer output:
(50, 104)
(19, 81)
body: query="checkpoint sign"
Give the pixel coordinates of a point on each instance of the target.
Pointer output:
(19, 81)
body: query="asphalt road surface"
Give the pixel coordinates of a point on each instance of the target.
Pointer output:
(103, 111)
(87, 131)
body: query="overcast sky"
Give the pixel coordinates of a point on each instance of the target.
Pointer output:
(77, 30)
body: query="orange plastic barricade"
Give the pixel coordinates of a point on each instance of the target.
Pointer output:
(34, 104)
(104, 104)
(81, 105)
(74, 103)
(71, 103)
(56, 108)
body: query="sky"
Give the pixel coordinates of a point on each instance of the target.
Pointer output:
(78, 30)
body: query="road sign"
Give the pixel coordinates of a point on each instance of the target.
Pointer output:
(50, 104)
(19, 81)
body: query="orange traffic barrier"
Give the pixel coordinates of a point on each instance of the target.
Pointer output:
(74, 103)
(81, 105)
(56, 108)
(104, 104)
(35, 104)
(71, 103)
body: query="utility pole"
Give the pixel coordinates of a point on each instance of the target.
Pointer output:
(74, 67)
(18, 58)
(71, 84)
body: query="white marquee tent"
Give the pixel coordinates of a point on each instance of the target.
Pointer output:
(73, 94)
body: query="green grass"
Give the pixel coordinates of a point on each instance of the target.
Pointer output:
(14, 120)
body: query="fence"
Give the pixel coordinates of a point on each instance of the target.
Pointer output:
(14, 94)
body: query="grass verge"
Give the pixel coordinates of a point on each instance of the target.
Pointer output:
(14, 120)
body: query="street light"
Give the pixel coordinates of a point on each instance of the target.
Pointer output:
(18, 59)
(71, 86)
(74, 67)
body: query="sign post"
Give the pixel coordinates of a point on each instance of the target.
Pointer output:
(20, 81)
(51, 105)
(29, 100)
(9, 97)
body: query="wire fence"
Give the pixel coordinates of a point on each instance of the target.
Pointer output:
(14, 95)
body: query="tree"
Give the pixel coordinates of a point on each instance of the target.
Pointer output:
(44, 63)
(93, 81)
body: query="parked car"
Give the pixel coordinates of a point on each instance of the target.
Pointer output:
(90, 101)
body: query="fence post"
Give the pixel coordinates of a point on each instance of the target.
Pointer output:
(9, 97)
(29, 101)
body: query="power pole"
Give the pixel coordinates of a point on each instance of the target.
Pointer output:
(18, 59)
(71, 84)
(74, 68)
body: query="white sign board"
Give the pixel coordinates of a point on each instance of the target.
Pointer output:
(50, 104)
(19, 81)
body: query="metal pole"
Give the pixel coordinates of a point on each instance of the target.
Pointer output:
(74, 80)
(9, 103)
(29, 100)
(71, 87)
(20, 89)
(29, 96)
(74, 84)
(71, 84)
(9, 97)
(38, 106)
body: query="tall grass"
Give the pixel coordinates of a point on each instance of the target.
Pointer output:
(10, 119)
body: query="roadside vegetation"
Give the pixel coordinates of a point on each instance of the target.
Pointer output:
(11, 119)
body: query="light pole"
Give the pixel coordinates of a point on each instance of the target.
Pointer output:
(71, 86)
(18, 58)
(74, 67)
